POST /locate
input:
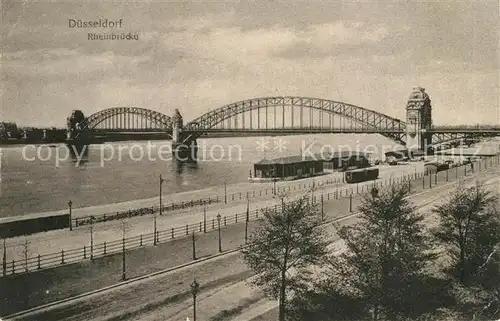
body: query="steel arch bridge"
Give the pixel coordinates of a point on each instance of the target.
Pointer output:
(118, 118)
(269, 116)
(276, 114)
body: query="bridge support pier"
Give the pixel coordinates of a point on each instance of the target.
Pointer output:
(184, 144)
(418, 120)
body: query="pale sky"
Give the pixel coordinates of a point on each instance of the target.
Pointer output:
(198, 56)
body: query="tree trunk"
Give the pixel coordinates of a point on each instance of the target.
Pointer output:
(375, 313)
(282, 303)
(462, 264)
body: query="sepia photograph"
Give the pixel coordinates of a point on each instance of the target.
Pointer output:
(250, 160)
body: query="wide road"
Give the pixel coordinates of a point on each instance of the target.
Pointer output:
(166, 296)
(243, 302)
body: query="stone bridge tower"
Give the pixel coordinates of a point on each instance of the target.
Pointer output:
(73, 124)
(418, 120)
(184, 145)
(177, 123)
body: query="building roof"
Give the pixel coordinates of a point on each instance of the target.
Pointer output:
(405, 152)
(341, 154)
(266, 161)
(289, 160)
(364, 169)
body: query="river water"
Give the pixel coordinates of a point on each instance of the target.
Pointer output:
(43, 178)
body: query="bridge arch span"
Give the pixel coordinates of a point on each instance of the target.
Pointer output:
(155, 117)
(370, 119)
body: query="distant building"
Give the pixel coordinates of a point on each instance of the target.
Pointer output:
(344, 160)
(287, 168)
(403, 154)
(9, 130)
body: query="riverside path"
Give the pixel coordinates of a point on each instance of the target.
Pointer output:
(59, 283)
(51, 243)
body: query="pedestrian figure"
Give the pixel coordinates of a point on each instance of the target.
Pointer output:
(374, 192)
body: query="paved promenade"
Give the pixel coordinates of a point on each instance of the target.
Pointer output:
(45, 286)
(112, 231)
(167, 296)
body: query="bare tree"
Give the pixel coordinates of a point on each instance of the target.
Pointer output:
(285, 243)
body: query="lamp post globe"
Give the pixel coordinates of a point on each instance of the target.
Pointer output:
(195, 288)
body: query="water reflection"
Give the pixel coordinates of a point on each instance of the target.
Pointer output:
(179, 166)
(184, 166)
(79, 153)
(116, 172)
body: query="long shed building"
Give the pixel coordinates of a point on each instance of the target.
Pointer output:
(287, 168)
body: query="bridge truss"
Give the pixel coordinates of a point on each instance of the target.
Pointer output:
(127, 119)
(278, 115)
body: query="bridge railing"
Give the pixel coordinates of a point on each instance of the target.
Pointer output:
(226, 198)
(323, 129)
(467, 126)
(92, 219)
(32, 263)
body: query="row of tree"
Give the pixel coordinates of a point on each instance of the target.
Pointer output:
(391, 266)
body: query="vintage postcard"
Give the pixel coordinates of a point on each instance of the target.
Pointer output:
(323, 160)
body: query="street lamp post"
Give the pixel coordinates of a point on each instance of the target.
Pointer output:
(161, 184)
(246, 221)
(92, 238)
(4, 261)
(194, 245)
(70, 204)
(322, 209)
(350, 202)
(155, 230)
(225, 192)
(195, 288)
(218, 223)
(124, 276)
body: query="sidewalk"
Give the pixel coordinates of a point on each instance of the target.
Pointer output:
(34, 289)
(112, 231)
(233, 192)
(242, 302)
